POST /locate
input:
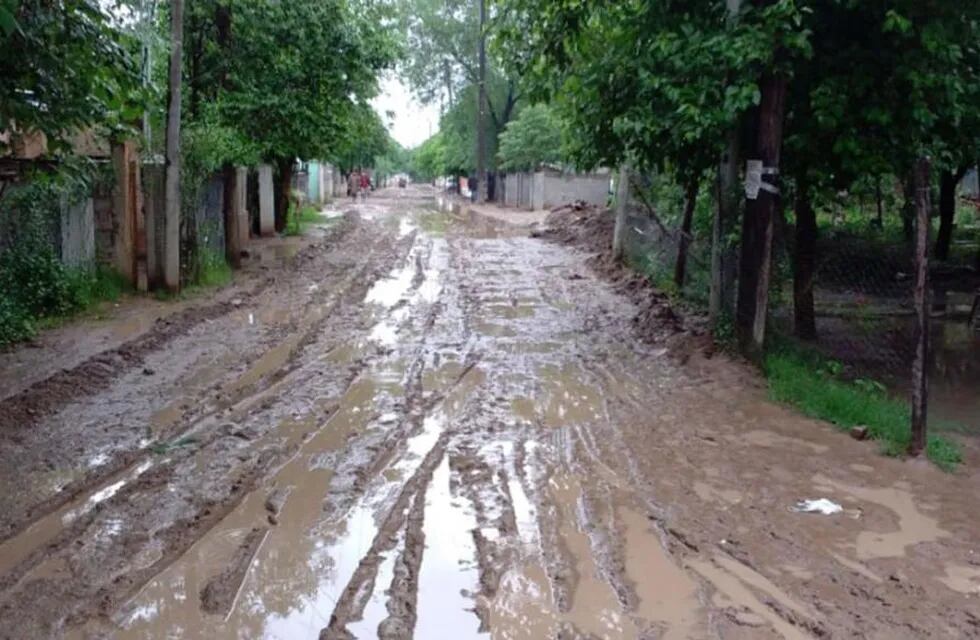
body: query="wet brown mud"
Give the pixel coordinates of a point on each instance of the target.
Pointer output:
(436, 426)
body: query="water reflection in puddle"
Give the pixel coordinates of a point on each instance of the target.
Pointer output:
(449, 573)
(334, 560)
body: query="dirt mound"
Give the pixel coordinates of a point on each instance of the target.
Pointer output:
(583, 225)
(658, 320)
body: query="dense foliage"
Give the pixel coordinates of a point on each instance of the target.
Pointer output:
(531, 140)
(64, 68)
(35, 286)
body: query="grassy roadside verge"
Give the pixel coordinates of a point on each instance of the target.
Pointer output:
(298, 221)
(815, 388)
(33, 302)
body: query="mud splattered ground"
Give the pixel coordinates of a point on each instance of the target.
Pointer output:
(431, 425)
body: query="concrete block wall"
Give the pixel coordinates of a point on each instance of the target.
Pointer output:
(339, 184)
(548, 189)
(971, 184)
(512, 189)
(313, 183)
(77, 226)
(557, 189)
(524, 184)
(209, 215)
(154, 209)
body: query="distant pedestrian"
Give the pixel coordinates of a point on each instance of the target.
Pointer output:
(365, 184)
(472, 186)
(353, 184)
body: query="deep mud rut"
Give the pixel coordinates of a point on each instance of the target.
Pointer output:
(434, 426)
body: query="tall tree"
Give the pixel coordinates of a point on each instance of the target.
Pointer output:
(172, 194)
(65, 67)
(297, 76)
(481, 105)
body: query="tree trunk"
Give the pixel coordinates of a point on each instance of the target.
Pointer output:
(171, 261)
(908, 209)
(920, 366)
(880, 220)
(757, 222)
(284, 186)
(804, 264)
(680, 267)
(948, 182)
(481, 107)
(622, 198)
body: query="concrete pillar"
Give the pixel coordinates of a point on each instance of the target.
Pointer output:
(267, 202)
(324, 182)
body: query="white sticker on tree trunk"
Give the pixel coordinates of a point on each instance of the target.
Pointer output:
(753, 178)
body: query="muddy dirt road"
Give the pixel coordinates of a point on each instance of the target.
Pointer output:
(431, 425)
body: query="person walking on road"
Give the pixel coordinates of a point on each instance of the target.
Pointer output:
(365, 184)
(353, 184)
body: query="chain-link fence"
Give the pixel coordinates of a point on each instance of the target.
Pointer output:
(862, 291)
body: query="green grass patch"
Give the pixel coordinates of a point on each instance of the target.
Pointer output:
(163, 448)
(213, 270)
(50, 297)
(298, 221)
(814, 386)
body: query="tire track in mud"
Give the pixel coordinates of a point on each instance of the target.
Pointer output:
(122, 461)
(579, 537)
(421, 357)
(23, 409)
(402, 527)
(255, 465)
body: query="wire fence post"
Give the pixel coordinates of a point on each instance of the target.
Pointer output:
(920, 365)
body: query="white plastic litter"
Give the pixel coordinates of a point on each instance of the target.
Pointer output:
(821, 505)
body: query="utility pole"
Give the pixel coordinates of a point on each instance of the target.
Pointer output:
(171, 258)
(762, 196)
(481, 134)
(725, 212)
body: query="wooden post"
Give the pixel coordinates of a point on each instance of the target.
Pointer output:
(233, 248)
(171, 251)
(920, 365)
(241, 197)
(622, 198)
